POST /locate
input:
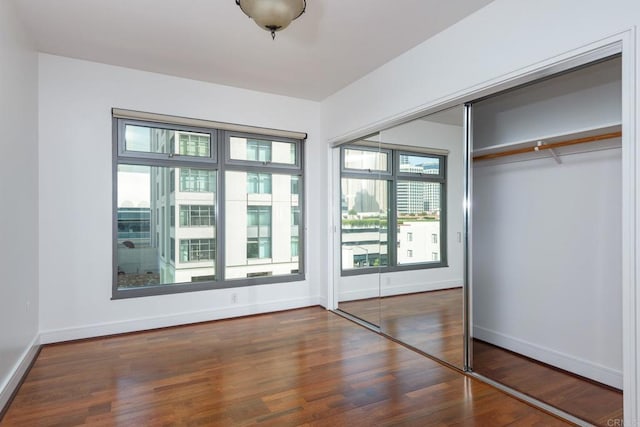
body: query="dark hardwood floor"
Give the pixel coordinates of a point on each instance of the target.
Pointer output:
(593, 402)
(429, 321)
(301, 367)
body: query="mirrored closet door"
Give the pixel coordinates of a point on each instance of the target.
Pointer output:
(364, 205)
(409, 191)
(547, 241)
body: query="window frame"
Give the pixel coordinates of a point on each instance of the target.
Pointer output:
(219, 162)
(366, 172)
(273, 169)
(122, 152)
(258, 163)
(393, 177)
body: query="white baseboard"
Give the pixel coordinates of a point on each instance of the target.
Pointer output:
(134, 325)
(358, 294)
(391, 290)
(412, 288)
(323, 301)
(576, 365)
(13, 381)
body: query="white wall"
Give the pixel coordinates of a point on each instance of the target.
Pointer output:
(547, 261)
(19, 195)
(584, 99)
(472, 53)
(76, 98)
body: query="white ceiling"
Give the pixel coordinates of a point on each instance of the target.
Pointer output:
(331, 45)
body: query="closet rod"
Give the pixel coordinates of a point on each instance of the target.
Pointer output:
(549, 146)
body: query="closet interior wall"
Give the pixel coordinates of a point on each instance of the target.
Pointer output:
(546, 244)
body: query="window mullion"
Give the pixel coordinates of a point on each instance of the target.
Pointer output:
(172, 159)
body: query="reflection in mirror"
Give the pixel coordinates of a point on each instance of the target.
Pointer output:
(364, 195)
(421, 295)
(404, 186)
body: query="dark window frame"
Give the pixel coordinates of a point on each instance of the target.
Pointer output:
(393, 176)
(218, 162)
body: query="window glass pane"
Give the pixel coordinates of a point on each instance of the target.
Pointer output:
(295, 185)
(192, 144)
(197, 181)
(364, 223)
(165, 141)
(365, 160)
(264, 151)
(146, 246)
(418, 208)
(260, 225)
(414, 163)
(197, 250)
(197, 215)
(258, 183)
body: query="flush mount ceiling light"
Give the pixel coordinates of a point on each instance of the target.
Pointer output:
(273, 15)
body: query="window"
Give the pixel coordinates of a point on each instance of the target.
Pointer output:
(167, 201)
(154, 139)
(268, 211)
(142, 263)
(364, 225)
(197, 181)
(295, 229)
(192, 144)
(197, 215)
(259, 150)
(295, 217)
(194, 250)
(391, 196)
(134, 225)
(247, 150)
(259, 232)
(258, 183)
(365, 159)
(260, 274)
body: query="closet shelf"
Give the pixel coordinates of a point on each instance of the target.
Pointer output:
(605, 132)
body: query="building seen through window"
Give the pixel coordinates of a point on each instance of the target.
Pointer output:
(167, 214)
(374, 196)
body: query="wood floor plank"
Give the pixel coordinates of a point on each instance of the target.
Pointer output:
(429, 321)
(300, 367)
(596, 403)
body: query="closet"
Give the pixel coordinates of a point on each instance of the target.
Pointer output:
(524, 287)
(545, 253)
